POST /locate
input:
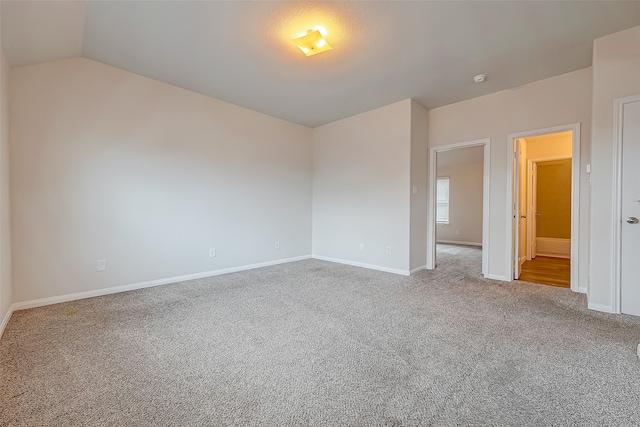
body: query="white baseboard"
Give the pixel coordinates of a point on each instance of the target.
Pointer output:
(552, 255)
(455, 242)
(582, 290)
(5, 320)
(415, 270)
(601, 307)
(106, 291)
(363, 265)
(497, 277)
(553, 247)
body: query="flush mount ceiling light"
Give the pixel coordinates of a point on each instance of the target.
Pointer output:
(479, 78)
(312, 43)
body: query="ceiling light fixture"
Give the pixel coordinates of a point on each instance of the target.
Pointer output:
(479, 78)
(312, 43)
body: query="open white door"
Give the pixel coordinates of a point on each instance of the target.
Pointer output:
(630, 233)
(522, 203)
(516, 209)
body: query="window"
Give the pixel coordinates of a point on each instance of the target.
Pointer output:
(442, 198)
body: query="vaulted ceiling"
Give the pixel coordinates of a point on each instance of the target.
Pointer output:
(386, 51)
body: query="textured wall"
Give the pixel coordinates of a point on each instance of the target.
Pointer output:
(6, 297)
(419, 166)
(361, 188)
(110, 165)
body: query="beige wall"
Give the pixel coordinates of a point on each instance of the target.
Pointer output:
(419, 163)
(110, 165)
(555, 101)
(465, 204)
(616, 65)
(5, 224)
(549, 146)
(554, 199)
(361, 188)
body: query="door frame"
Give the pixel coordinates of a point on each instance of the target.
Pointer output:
(616, 244)
(431, 201)
(575, 198)
(530, 162)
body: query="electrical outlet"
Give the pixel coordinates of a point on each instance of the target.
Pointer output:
(212, 253)
(277, 244)
(101, 265)
(457, 232)
(415, 189)
(388, 250)
(362, 246)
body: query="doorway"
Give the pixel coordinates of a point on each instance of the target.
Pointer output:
(459, 175)
(546, 250)
(478, 150)
(543, 202)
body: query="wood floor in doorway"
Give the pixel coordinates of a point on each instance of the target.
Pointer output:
(547, 271)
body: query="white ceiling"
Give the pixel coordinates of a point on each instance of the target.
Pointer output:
(387, 51)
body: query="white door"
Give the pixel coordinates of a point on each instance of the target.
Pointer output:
(630, 274)
(534, 208)
(522, 203)
(516, 210)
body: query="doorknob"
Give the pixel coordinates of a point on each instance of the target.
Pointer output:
(632, 220)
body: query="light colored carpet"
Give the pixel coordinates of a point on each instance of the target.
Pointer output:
(315, 343)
